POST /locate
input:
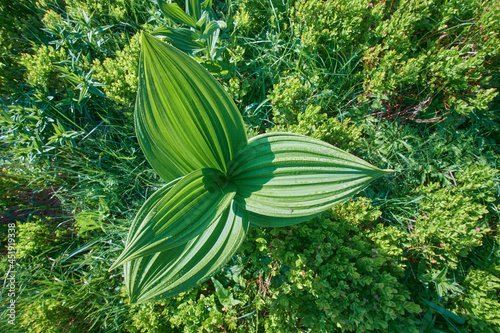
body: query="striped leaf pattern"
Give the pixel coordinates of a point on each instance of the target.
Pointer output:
(178, 214)
(219, 182)
(179, 269)
(290, 175)
(183, 113)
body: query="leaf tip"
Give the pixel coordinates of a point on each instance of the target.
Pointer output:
(119, 261)
(115, 264)
(132, 298)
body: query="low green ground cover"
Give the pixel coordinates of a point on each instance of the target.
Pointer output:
(406, 85)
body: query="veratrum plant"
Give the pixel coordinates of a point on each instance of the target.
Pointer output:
(203, 32)
(218, 181)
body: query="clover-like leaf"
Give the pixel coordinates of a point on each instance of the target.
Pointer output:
(178, 213)
(289, 175)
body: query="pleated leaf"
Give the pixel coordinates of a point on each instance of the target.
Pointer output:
(193, 9)
(289, 175)
(186, 121)
(211, 28)
(206, 4)
(176, 214)
(263, 221)
(158, 159)
(151, 202)
(175, 13)
(181, 268)
(185, 40)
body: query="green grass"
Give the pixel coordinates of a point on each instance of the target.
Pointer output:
(73, 175)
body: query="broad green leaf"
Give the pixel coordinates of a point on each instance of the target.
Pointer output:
(211, 35)
(206, 4)
(203, 19)
(211, 42)
(186, 119)
(193, 9)
(179, 269)
(290, 175)
(151, 202)
(175, 13)
(185, 40)
(160, 162)
(226, 297)
(445, 312)
(177, 214)
(211, 29)
(263, 221)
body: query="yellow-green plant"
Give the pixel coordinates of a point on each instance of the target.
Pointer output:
(219, 182)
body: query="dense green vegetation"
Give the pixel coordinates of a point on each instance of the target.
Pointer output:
(408, 85)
